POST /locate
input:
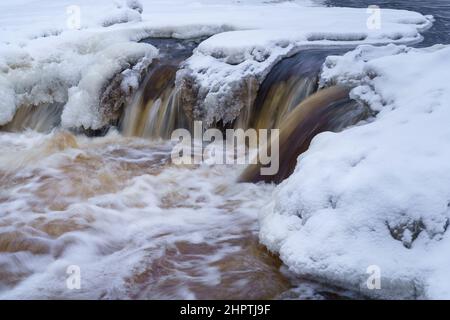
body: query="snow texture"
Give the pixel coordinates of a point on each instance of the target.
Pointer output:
(225, 67)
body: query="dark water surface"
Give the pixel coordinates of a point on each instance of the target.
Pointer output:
(440, 9)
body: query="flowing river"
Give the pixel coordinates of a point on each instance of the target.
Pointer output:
(135, 224)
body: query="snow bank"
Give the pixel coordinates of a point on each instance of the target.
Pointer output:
(377, 194)
(44, 58)
(71, 69)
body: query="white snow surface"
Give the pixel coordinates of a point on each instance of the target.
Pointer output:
(47, 55)
(333, 218)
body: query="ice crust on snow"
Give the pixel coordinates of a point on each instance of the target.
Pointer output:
(73, 72)
(82, 108)
(42, 61)
(378, 193)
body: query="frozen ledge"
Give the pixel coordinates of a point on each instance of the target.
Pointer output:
(75, 67)
(223, 75)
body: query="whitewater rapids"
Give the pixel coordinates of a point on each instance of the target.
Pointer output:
(137, 226)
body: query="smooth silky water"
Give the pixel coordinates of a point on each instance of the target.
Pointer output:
(155, 111)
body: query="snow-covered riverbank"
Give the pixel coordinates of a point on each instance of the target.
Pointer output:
(376, 194)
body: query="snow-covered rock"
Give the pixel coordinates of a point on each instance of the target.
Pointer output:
(72, 69)
(377, 194)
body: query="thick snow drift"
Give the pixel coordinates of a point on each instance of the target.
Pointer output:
(55, 52)
(379, 193)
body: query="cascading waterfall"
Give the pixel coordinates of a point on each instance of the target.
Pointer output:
(42, 118)
(122, 201)
(155, 110)
(329, 109)
(289, 99)
(288, 83)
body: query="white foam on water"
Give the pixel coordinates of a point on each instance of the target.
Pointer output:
(136, 225)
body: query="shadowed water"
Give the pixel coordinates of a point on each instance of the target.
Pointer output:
(42, 118)
(327, 110)
(440, 9)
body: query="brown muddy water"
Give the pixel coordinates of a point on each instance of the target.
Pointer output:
(329, 109)
(136, 225)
